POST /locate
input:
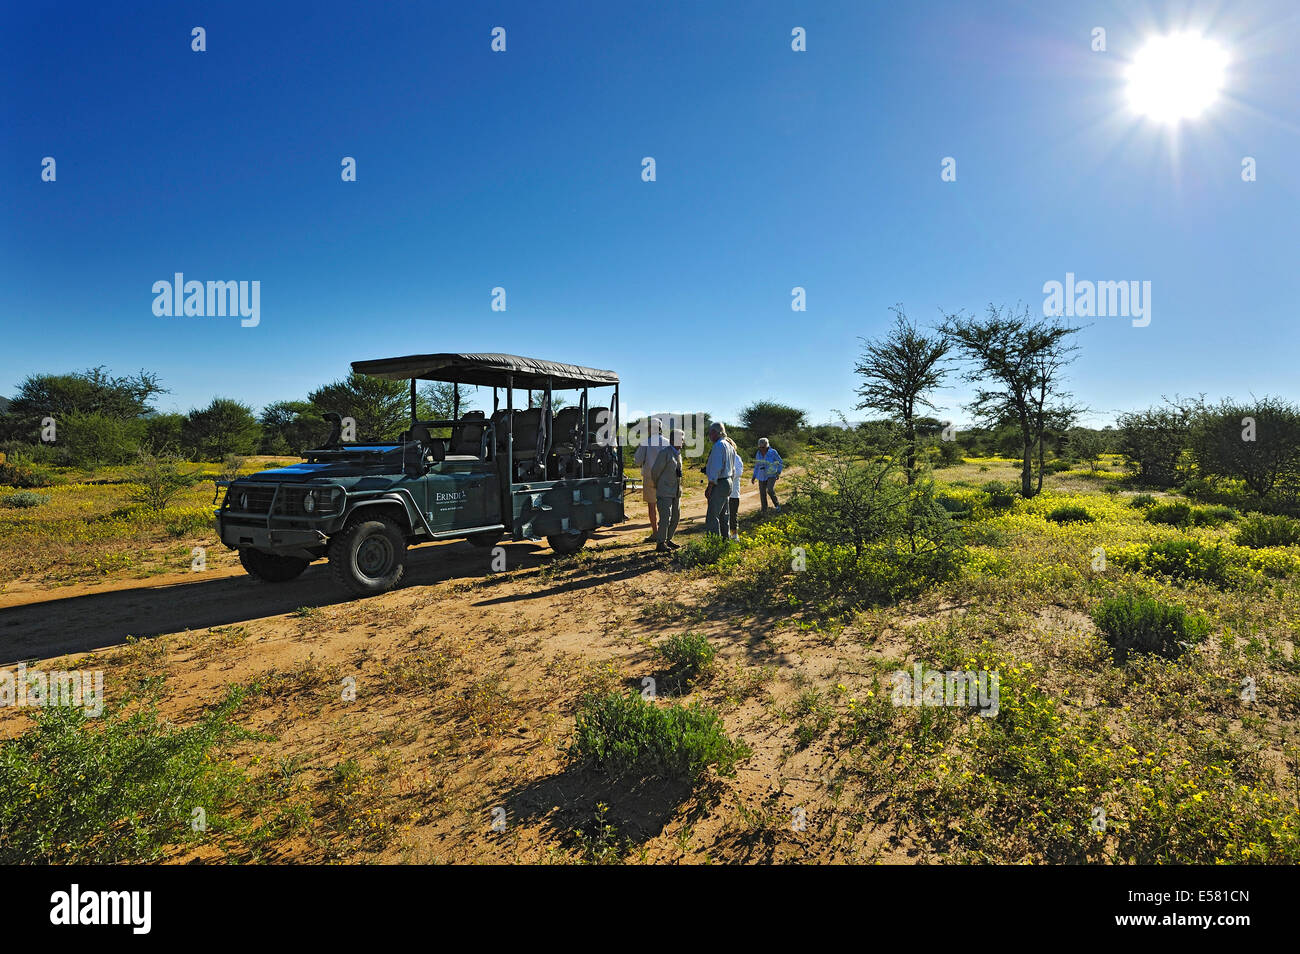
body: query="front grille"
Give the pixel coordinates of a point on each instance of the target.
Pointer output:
(249, 498)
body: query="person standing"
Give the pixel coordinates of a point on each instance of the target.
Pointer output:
(718, 471)
(667, 476)
(733, 505)
(767, 468)
(644, 457)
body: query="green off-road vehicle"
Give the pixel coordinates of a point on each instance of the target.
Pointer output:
(526, 473)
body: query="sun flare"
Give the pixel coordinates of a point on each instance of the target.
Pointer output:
(1176, 77)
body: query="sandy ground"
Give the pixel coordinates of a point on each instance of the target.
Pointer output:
(466, 683)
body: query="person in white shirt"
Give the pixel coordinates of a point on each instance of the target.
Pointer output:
(644, 457)
(719, 470)
(733, 505)
(767, 468)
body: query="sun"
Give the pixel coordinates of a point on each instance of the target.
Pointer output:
(1176, 77)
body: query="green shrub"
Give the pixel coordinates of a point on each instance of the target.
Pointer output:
(1213, 516)
(626, 735)
(91, 439)
(1197, 488)
(1260, 530)
(159, 480)
(835, 576)
(186, 524)
(1142, 501)
(76, 792)
(1188, 560)
(1001, 495)
(25, 498)
(1070, 513)
(951, 503)
(1135, 623)
(703, 550)
(1177, 514)
(688, 656)
(18, 470)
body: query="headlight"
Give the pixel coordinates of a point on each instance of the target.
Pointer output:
(309, 502)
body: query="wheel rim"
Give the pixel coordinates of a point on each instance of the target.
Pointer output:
(374, 556)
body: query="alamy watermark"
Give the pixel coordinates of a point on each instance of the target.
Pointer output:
(34, 687)
(934, 687)
(179, 298)
(1088, 299)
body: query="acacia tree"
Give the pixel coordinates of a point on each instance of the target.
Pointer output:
(1256, 441)
(898, 373)
(1016, 365)
(1155, 440)
(381, 409)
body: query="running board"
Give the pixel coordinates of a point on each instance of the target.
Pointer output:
(467, 532)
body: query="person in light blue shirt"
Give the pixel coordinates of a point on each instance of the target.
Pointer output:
(718, 470)
(767, 468)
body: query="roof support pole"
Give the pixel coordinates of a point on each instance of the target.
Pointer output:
(510, 438)
(412, 400)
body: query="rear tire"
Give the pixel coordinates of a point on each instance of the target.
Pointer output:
(270, 567)
(566, 543)
(369, 555)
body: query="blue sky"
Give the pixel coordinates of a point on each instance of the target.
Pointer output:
(522, 169)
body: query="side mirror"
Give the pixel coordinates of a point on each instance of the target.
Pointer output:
(437, 451)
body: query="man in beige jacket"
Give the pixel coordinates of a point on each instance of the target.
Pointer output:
(666, 472)
(646, 453)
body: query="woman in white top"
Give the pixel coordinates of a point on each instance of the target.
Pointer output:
(733, 505)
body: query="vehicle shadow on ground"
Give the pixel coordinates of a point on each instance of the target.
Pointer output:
(638, 809)
(91, 621)
(582, 576)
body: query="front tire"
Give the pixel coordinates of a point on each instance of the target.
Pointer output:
(369, 555)
(270, 567)
(566, 543)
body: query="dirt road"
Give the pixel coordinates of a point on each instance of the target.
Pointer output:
(466, 682)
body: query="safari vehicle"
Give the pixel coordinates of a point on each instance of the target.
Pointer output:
(527, 473)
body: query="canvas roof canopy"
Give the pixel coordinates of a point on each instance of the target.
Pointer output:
(485, 369)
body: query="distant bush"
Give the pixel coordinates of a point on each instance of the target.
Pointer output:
(1176, 514)
(1260, 530)
(1267, 461)
(18, 470)
(1001, 495)
(1197, 488)
(1142, 501)
(951, 503)
(223, 427)
(90, 440)
(162, 433)
(1070, 513)
(1213, 516)
(1188, 560)
(947, 454)
(626, 735)
(159, 480)
(25, 499)
(1155, 441)
(1135, 623)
